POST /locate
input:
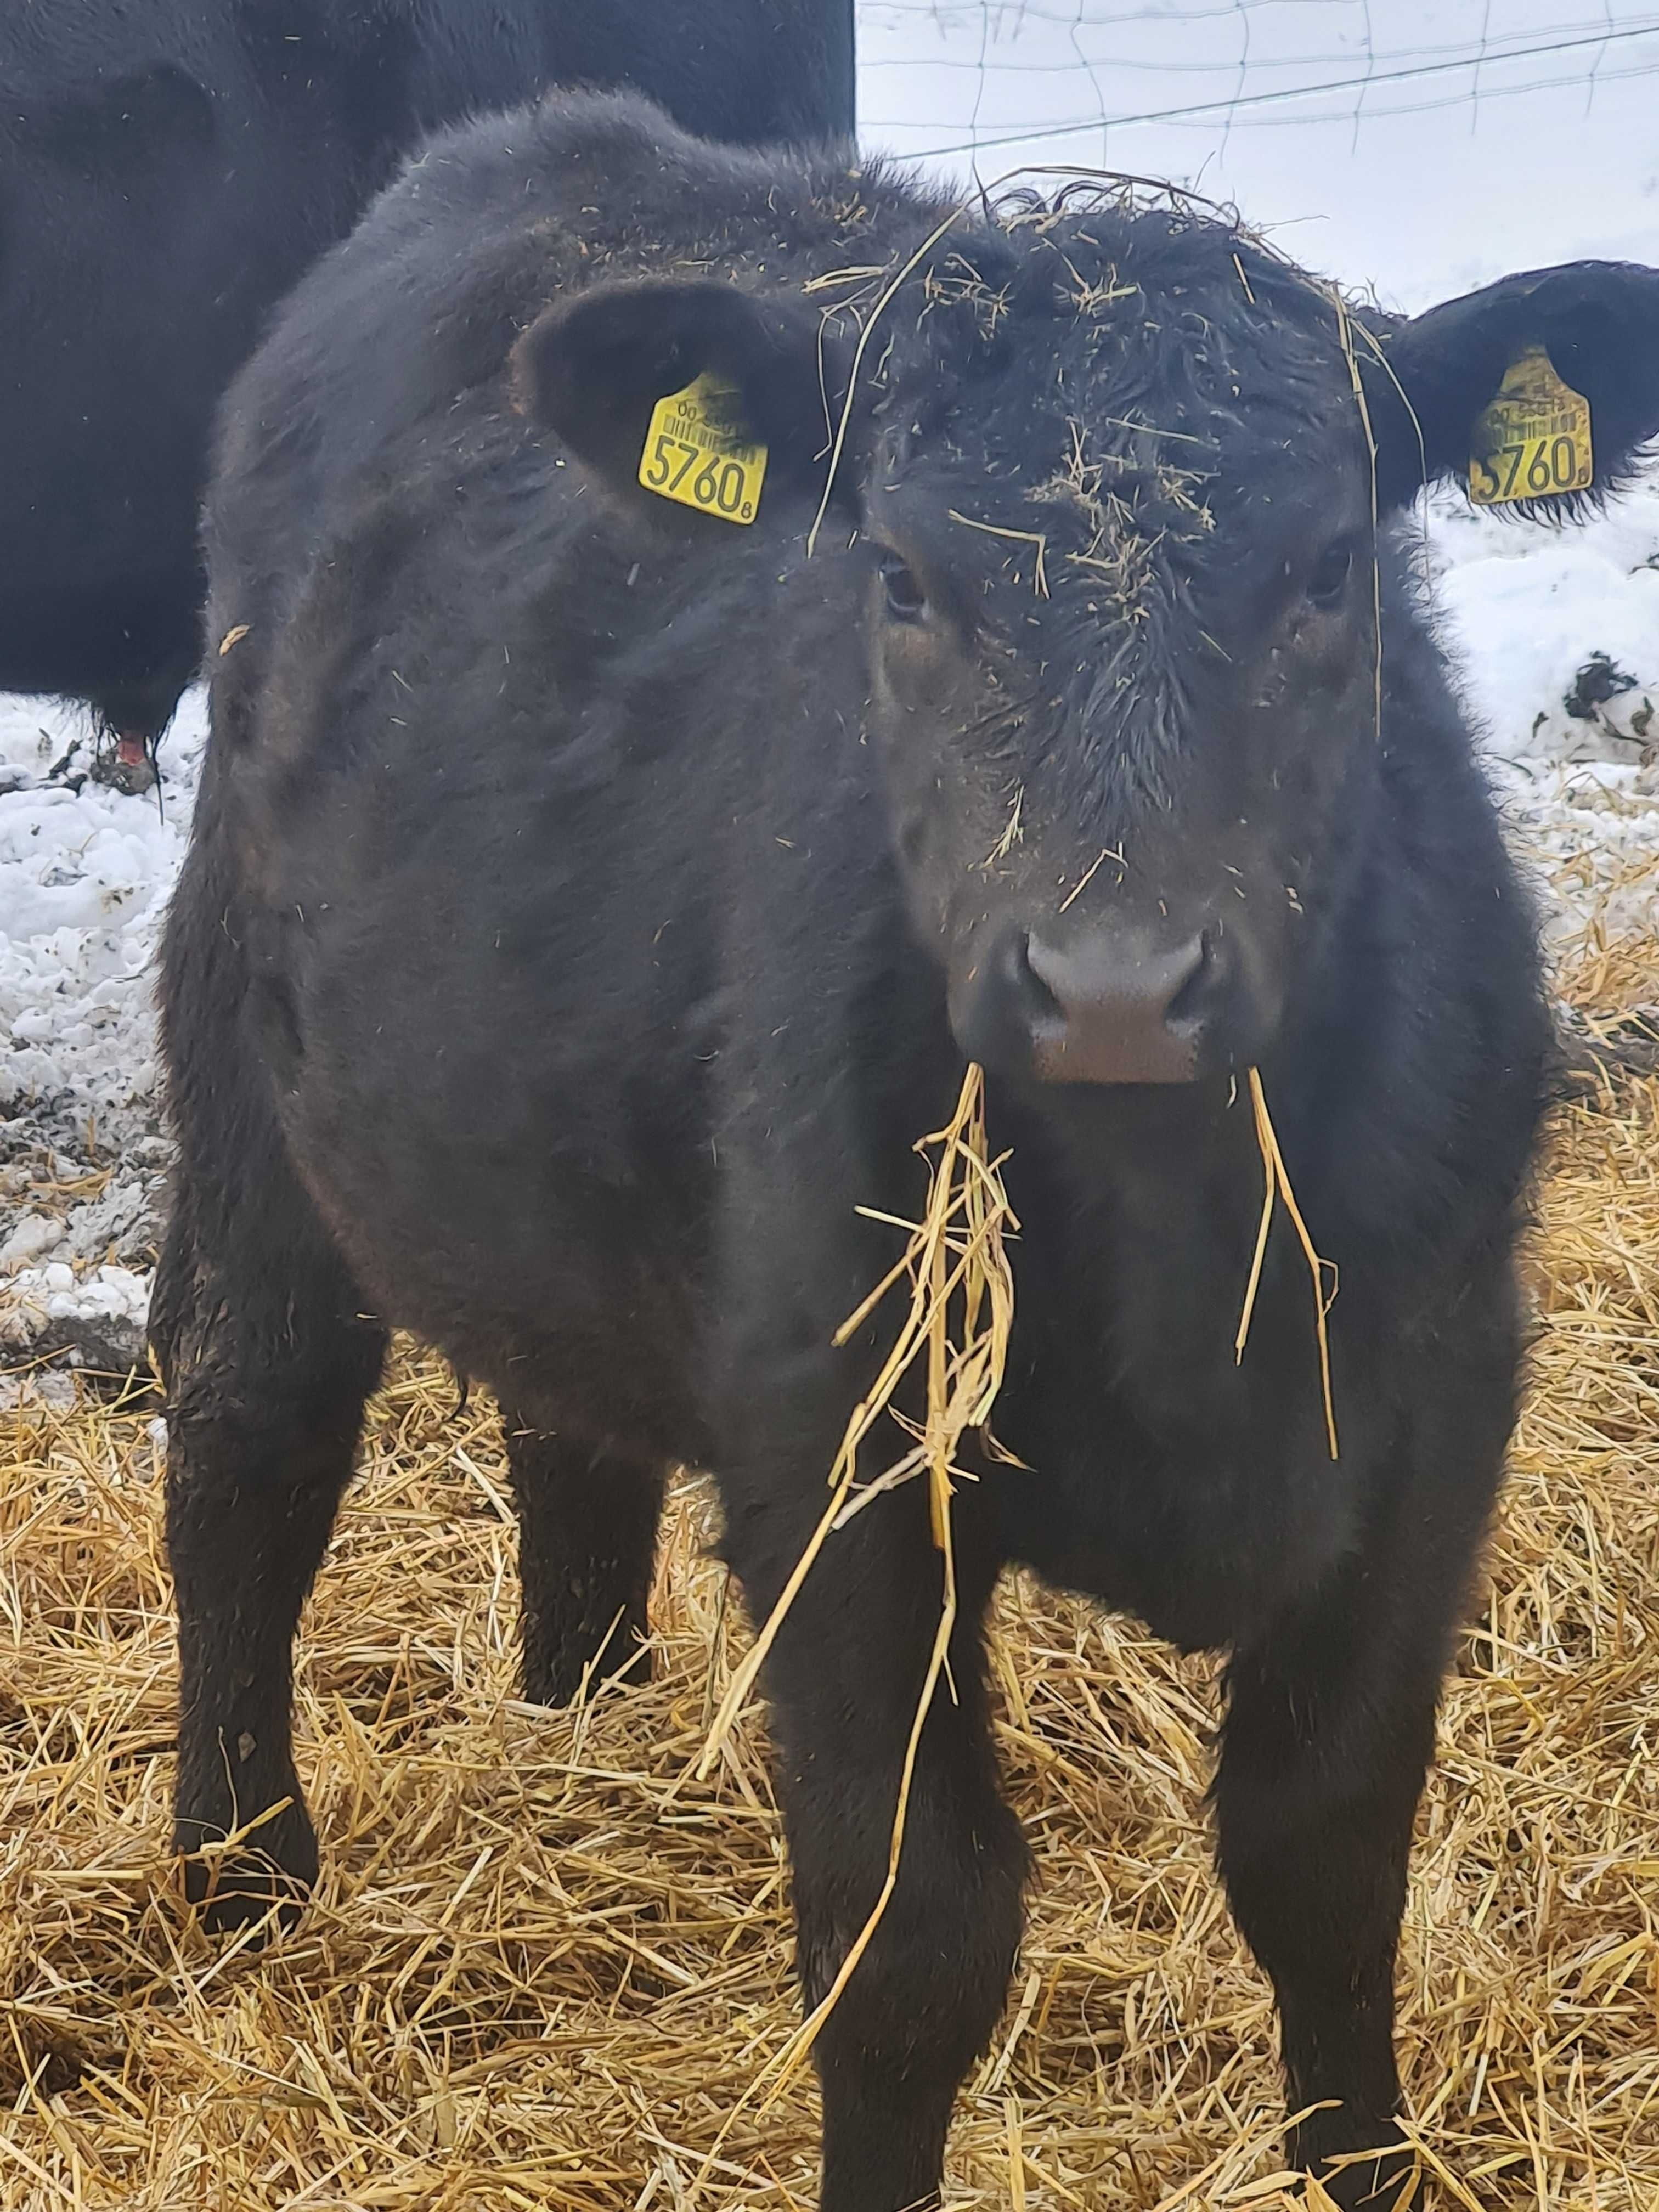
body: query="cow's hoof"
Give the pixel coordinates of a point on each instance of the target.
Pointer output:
(235, 1894)
(231, 1886)
(1380, 2182)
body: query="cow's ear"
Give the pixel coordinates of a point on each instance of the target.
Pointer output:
(1430, 380)
(592, 369)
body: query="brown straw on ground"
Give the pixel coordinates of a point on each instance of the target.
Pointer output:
(543, 1967)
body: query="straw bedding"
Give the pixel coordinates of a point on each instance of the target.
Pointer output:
(546, 1960)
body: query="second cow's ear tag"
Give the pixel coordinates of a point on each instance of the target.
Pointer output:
(1533, 441)
(695, 452)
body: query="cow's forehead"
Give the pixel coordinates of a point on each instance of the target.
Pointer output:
(1140, 362)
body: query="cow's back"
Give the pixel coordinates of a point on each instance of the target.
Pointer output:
(152, 204)
(167, 173)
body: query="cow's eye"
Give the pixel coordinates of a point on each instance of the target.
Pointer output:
(1331, 572)
(907, 602)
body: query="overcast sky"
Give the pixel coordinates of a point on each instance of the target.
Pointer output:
(1422, 148)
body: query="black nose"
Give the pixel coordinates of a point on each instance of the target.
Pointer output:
(1112, 1007)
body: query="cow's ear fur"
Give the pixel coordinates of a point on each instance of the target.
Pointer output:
(1428, 378)
(591, 369)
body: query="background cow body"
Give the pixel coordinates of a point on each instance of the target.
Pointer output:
(588, 903)
(165, 173)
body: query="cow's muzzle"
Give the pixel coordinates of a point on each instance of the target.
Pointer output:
(1109, 1007)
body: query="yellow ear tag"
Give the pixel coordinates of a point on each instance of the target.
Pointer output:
(695, 453)
(1533, 441)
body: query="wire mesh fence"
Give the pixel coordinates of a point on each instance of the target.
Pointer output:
(1035, 70)
(1520, 128)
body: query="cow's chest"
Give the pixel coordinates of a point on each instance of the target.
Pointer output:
(1166, 1476)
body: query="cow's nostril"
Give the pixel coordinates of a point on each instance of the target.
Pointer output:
(1006, 1008)
(1027, 991)
(1198, 997)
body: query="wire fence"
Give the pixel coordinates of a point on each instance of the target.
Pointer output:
(1011, 73)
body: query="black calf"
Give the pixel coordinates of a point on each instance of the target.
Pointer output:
(593, 901)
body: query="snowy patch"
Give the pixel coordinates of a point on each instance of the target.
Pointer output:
(1524, 606)
(85, 873)
(1522, 609)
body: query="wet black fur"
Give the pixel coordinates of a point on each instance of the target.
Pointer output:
(166, 172)
(562, 956)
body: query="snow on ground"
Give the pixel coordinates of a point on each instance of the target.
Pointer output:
(1523, 609)
(84, 876)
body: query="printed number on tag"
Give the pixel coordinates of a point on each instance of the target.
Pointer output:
(1534, 441)
(693, 454)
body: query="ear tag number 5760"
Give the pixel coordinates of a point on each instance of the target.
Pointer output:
(1533, 441)
(695, 452)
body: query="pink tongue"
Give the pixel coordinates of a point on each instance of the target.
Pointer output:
(130, 752)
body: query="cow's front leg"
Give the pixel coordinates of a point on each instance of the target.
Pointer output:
(844, 1680)
(1329, 1731)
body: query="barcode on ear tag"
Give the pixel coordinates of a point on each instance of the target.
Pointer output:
(1533, 441)
(695, 452)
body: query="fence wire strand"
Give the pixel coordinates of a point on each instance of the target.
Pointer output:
(1287, 63)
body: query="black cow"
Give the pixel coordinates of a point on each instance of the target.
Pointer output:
(592, 900)
(167, 171)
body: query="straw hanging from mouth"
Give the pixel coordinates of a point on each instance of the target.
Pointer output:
(959, 1272)
(1278, 1185)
